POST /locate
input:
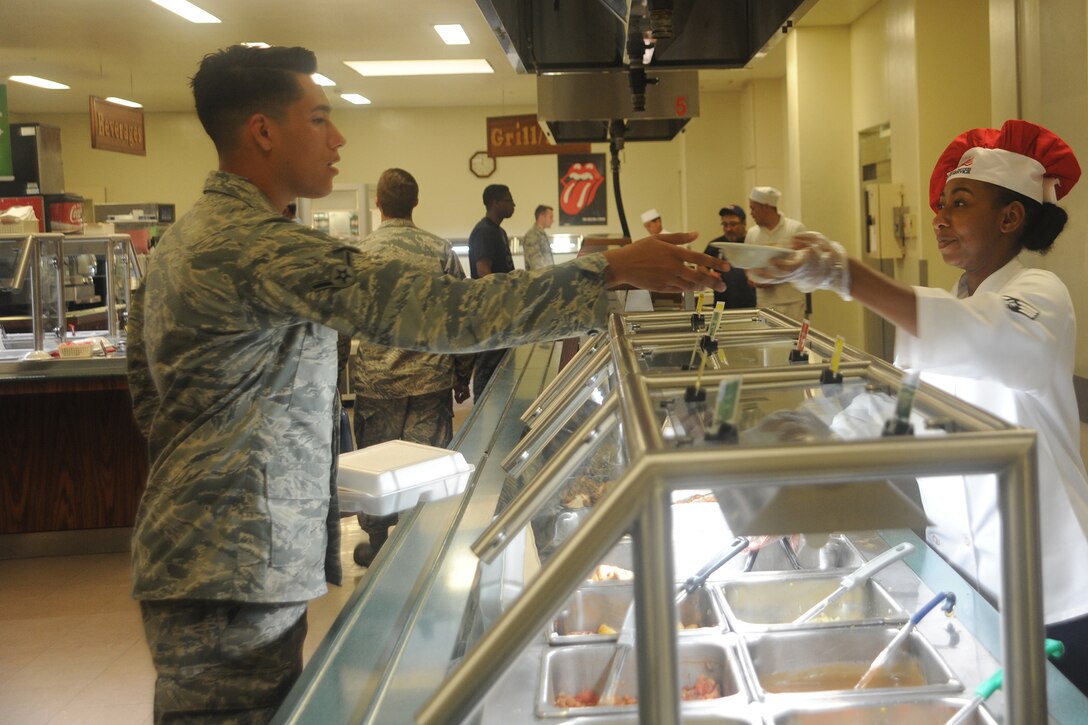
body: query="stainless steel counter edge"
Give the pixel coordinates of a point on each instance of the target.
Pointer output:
(390, 647)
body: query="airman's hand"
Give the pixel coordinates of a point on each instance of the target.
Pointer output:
(659, 264)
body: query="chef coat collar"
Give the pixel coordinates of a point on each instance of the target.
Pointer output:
(994, 282)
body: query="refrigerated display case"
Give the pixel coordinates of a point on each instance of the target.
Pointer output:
(459, 620)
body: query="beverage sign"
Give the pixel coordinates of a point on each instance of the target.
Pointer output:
(7, 172)
(117, 128)
(522, 136)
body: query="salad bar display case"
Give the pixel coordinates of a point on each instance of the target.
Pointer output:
(743, 525)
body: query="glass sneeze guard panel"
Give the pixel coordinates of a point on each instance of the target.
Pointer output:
(794, 433)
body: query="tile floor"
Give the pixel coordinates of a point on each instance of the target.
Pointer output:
(72, 648)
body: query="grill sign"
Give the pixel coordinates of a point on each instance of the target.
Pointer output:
(117, 128)
(521, 136)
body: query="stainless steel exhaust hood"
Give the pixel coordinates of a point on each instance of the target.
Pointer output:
(578, 107)
(636, 40)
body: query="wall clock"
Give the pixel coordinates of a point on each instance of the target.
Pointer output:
(481, 164)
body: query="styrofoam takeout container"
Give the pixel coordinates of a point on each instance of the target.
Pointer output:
(396, 475)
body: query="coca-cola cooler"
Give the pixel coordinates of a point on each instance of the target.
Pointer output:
(64, 213)
(59, 213)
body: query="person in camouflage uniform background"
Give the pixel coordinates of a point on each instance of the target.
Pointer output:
(535, 245)
(232, 371)
(402, 394)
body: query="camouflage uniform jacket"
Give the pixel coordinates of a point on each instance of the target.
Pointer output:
(232, 370)
(387, 372)
(537, 248)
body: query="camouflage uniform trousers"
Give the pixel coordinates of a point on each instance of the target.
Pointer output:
(227, 663)
(426, 419)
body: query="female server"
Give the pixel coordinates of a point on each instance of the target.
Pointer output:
(1002, 339)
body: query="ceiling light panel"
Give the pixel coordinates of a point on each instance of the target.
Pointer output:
(124, 102)
(39, 82)
(323, 80)
(372, 68)
(355, 98)
(187, 10)
(452, 34)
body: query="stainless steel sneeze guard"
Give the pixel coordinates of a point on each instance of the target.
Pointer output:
(639, 504)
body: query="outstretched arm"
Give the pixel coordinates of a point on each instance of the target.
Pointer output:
(658, 264)
(892, 300)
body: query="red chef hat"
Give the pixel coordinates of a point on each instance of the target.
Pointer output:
(1022, 156)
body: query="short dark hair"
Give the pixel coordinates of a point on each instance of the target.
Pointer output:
(398, 193)
(540, 210)
(494, 192)
(234, 83)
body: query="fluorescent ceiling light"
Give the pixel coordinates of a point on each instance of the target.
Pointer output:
(419, 67)
(187, 10)
(323, 80)
(452, 34)
(124, 102)
(257, 44)
(39, 82)
(355, 98)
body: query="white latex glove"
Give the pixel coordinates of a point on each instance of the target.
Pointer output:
(816, 263)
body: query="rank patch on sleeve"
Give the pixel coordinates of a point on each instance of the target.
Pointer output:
(1021, 307)
(340, 276)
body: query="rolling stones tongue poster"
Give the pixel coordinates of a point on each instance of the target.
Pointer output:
(583, 189)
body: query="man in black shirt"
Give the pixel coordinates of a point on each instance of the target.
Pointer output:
(489, 253)
(738, 293)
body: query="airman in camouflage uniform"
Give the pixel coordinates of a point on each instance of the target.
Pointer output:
(232, 370)
(403, 394)
(535, 245)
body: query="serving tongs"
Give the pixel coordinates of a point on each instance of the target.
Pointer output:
(720, 559)
(625, 642)
(856, 577)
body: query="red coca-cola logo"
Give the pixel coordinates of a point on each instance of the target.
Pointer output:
(580, 185)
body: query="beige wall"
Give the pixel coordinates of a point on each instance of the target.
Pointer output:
(435, 145)
(824, 154)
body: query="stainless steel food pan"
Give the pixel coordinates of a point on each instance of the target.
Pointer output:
(929, 711)
(770, 602)
(804, 663)
(606, 603)
(577, 668)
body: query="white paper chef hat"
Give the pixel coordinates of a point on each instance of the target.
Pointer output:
(649, 215)
(765, 195)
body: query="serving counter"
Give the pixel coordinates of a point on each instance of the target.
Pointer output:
(464, 615)
(74, 463)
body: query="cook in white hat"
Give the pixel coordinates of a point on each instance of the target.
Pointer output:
(651, 219)
(767, 195)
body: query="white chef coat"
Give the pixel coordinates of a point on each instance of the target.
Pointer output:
(781, 297)
(1009, 349)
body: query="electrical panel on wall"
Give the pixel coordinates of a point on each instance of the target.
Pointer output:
(889, 223)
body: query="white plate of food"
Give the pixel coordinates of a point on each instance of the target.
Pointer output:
(749, 256)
